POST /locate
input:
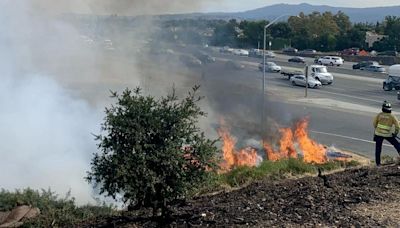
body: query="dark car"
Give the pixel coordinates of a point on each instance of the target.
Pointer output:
(289, 50)
(307, 51)
(364, 64)
(388, 53)
(374, 68)
(297, 59)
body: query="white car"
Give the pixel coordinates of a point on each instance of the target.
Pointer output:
(300, 80)
(270, 66)
(269, 54)
(331, 60)
(241, 52)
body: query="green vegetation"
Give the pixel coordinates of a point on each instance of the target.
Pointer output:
(321, 31)
(152, 152)
(269, 170)
(55, 211)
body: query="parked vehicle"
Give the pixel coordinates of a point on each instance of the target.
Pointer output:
(364, 64)
(297, 59)
(374, 68)
(289, 50)
(269, 66)
(393, 80)
(320, 73)
(300, 80)
(291, 73)
(331, 60)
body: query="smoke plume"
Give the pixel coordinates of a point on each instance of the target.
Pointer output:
(55, 82)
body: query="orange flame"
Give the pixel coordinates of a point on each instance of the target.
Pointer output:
(233, 158)
(313, 152)
(286, 146)
(289, 140)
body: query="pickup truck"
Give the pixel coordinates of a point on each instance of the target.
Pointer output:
(290, 73)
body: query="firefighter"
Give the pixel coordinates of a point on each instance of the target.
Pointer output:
(386, 127)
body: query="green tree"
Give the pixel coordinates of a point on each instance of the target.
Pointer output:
(152, 152)
(225, 34)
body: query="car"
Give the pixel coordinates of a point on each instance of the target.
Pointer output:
(374, 68)
(190, 60)
(234, 65)
(269, 54)
(300, 80)
(204, 57)
(388, 53)
(270, 66)
(393, 80)
(330, 60)
(258, 53)
(297, 59)
(308, 51)
(289, 50)
(240, 52)
(350, 51)
(364, 64)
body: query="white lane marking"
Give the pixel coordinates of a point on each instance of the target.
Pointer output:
(347, 137)
(351, 96)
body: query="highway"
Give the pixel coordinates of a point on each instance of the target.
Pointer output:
(340, 114)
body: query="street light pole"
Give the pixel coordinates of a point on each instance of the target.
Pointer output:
(263, 81)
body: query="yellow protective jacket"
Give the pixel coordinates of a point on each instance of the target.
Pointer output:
(384, 123)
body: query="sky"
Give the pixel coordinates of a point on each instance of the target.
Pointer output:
(240, 5)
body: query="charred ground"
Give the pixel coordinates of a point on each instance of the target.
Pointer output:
(355, 197)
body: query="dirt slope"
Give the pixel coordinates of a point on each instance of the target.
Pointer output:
(358, 197)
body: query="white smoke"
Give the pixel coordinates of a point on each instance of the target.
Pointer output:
(53, 90)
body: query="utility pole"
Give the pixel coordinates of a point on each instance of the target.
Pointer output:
(306, 74)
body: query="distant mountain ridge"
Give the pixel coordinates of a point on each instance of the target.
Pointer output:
(370, 15)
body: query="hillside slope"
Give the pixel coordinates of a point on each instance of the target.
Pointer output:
(359, 197)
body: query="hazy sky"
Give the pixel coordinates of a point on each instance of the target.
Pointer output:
(240, 5)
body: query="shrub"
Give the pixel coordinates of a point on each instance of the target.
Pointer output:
(55, 211)
(152, 152)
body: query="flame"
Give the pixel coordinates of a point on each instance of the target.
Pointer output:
(232, 158)
(313, 152)
(289, 140)
(286, 146)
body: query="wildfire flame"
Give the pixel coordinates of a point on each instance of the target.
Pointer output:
(291, 143)
(232, 157)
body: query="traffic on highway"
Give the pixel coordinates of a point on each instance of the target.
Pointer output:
(344, 97)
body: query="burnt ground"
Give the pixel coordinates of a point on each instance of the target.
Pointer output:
(352, 198)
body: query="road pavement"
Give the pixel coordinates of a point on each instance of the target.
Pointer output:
(340, 114)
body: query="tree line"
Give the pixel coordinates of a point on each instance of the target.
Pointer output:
(321, 31)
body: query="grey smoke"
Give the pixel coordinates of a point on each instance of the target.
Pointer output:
(54, 87)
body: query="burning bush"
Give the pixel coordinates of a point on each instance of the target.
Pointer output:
(153, 152)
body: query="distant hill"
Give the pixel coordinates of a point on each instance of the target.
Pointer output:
(372, 14)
